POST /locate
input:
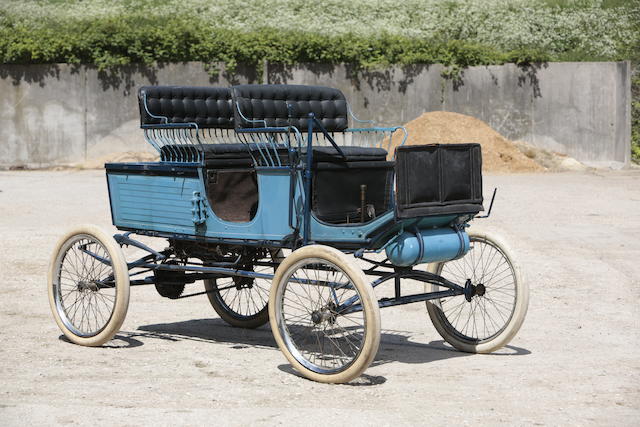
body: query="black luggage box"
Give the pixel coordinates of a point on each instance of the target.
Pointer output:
(438, 179)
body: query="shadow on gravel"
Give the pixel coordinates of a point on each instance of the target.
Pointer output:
(208, 330)
(363, 380)
(119, 341)
(395, 346)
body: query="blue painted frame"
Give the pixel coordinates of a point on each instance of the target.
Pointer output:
(168, 199)
(177, 205)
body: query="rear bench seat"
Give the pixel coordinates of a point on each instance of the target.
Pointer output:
(212, 109)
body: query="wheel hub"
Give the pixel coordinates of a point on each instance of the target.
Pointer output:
(85, 286)
(471, 290)
(243, 282)
(323, 315)
(480, 289)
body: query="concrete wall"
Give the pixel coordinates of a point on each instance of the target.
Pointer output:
(56, 114)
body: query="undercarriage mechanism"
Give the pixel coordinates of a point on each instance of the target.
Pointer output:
(171, 283)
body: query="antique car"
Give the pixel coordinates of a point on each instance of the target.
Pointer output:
(275, 196)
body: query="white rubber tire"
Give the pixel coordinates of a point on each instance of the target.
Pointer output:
(252, 322)
(228, 315)
(368, 300)
(121, 275)
(513, 324)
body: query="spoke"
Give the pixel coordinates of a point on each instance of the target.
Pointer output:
(302, 304)
(489, 262)
(450, 309)
(462, 276)
(327, 344)
(504, 321)
(351, 320)
(486, 315)
(75, 302)
(455, 320)
(85, 310)
(510, 293)
(507, 268)
(346, 338)
(251, 299)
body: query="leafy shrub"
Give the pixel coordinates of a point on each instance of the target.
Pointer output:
(635, 116)
(138, 40)
(368, 33)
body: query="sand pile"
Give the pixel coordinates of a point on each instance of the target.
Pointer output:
(553, 162)
(441, 127)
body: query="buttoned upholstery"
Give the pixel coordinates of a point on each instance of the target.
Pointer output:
(351, 154)
(290, 105)
(209, 107)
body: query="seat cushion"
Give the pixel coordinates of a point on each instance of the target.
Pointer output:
(239, 155)
(226, 151)
(352, 154)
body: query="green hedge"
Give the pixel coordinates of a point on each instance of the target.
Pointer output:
(367, 33)
(635, 116)
(370, 33)
(113, 42)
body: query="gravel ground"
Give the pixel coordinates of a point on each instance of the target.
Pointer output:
(576, 237)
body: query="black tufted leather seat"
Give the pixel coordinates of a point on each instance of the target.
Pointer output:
(351, 154)
(289, 105)
(230, 177)
(277, 105)
(209, 107)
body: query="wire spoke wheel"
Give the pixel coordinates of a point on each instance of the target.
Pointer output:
(243, 301)
(88, 286)
(491, 314)
(310, 317)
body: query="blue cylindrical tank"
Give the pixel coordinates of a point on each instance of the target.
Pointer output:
(439, 244)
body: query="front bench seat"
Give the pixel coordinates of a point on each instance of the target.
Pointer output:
(352, 154)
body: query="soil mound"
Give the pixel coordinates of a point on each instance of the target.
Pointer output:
(441, 127)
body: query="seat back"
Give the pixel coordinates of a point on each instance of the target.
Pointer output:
(208, 107)
(289, 105)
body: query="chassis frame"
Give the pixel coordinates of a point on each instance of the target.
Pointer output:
(383, 270)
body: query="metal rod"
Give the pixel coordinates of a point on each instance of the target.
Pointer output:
(325, 133)
(495, 190)
(422, 276)
(390, 302)
(363, 200)
(217, 271)
(124, 239)
(196, 294)
(307, 183)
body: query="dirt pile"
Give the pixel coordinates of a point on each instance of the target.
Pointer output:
(553, 162)
(441, 127)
